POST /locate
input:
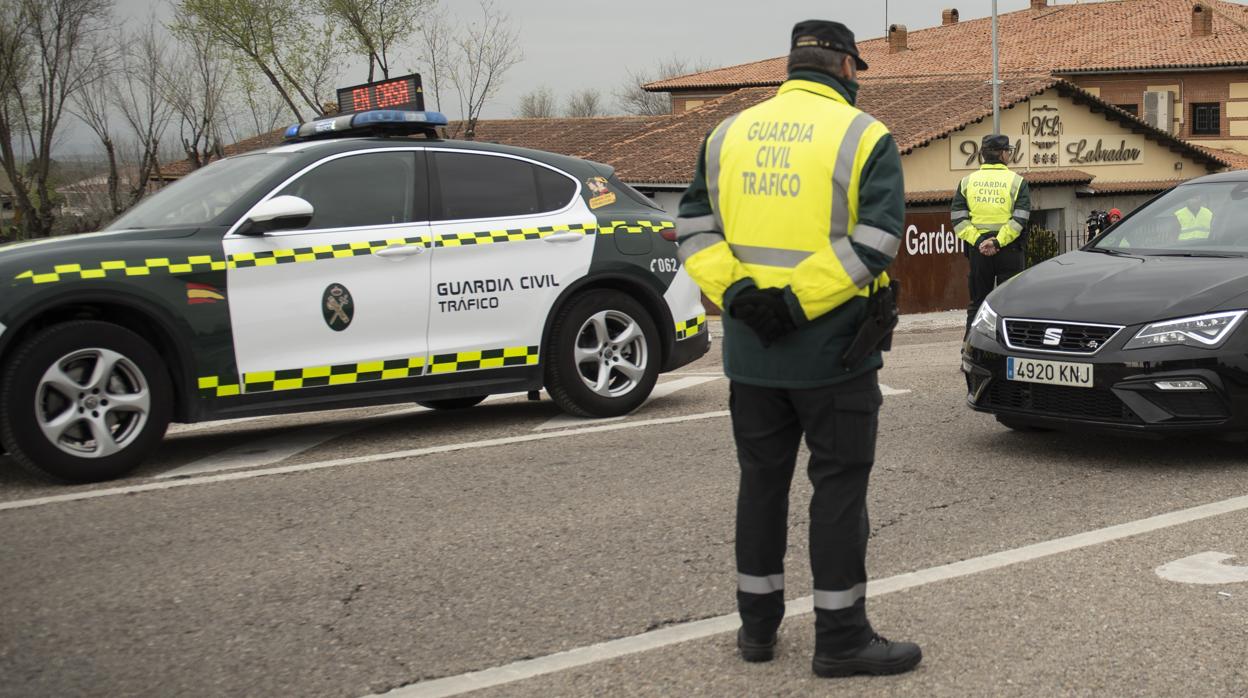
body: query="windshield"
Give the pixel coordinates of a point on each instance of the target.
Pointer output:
(201, 196)
(1191, 220)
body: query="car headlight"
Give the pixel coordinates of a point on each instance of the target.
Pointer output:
(985, 321)
(1205, 331)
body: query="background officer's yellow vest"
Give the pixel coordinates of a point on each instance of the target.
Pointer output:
(1194, 226)
(783, 179)
(991, 193)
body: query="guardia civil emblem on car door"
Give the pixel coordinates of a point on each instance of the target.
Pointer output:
(337, 307)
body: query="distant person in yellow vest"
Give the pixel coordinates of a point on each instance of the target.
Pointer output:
(1195, 221)
(991, 208)
(797, 206)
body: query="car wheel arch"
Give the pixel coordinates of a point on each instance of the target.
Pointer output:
(135, 314)
(636, 288)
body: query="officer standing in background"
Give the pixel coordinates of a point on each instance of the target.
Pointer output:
(794, 212)
(990, 209)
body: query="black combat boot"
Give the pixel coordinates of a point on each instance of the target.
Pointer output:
(879, 656)
(755, 650)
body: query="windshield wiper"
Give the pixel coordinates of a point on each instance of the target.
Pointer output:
(1196, 254)
(1106, 250)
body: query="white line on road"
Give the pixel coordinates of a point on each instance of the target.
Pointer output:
(1204, 568)
(886, 390)
(355, 460)
(592, 654)
(660, 391)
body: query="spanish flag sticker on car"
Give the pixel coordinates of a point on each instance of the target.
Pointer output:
(202, 293)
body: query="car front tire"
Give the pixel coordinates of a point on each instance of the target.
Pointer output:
(603, 356)
(84, 401)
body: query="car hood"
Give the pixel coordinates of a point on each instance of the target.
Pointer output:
(1122, 290)
(60, 250)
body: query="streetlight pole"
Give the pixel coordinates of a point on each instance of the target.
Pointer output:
(996, 76)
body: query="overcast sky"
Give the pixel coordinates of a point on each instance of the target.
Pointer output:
(570, 45)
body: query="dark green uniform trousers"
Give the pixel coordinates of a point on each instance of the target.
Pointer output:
(840, 423)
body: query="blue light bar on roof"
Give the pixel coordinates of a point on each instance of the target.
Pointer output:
(386, 120)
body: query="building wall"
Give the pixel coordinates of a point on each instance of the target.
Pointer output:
(1228, 88)
(940, 165)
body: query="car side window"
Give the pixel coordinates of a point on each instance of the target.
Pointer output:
(486, 186)
(361, 190)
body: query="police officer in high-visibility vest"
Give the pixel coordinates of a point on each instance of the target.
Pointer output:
(990, 209)
(1195, 220)
(795, 210)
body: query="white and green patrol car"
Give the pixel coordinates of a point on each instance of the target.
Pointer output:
(354, 266)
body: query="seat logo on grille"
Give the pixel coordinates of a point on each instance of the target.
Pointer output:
(1052, 336)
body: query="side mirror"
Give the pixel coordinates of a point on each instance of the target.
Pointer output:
(278, 213)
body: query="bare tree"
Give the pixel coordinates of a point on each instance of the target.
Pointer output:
(195, 85)
(482, 54)
(49, 50)
(144, 105)
(93, 105)
(538, 104)
(276, 37)
(255, 109)
(435, 60)
(587, 102)
(377, 27)
(632, 99)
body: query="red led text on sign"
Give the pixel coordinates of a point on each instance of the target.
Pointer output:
(392, 94)
(360, 100)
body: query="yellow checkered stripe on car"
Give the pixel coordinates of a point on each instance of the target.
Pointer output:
(313, 377)
(635, 227)
(690, 328)
(350, 374)
(266, 258)
(488, 358)
(145, 267)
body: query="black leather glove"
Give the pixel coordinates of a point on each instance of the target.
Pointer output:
(765, 312)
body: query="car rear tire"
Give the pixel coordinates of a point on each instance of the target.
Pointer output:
(84, 401)
(454, 403)
(1019, 426)
(603, 355)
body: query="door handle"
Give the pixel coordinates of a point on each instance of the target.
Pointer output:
(567, 236)
(402, 250)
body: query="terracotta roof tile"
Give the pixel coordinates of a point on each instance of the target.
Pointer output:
(1143, 34)
(1141, 187)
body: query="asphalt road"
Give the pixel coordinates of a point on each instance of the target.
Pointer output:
(356, 552)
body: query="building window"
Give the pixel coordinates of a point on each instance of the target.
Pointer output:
(1132, 109)
(1206, 119)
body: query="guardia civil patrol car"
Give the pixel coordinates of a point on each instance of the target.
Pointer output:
(353, 266)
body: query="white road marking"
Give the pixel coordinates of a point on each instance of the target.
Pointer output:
(276, 449)
(1203, 568)
(671, 635)
(341, 462)
(661, 390)
(886, 390)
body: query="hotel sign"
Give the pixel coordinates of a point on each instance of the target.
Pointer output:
(1041, 139)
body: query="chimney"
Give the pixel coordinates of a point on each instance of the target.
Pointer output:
(949, 16)
(896, 38)
(1202, 20)
(1039, 4)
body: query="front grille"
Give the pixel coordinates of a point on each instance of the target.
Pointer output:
(1072, 337)
(1057, 401)
(1193, 405)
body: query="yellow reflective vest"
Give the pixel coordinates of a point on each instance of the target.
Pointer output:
(783, 182)
(987, 201)
(1194, 226)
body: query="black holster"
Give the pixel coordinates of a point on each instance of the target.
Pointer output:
(876, 332)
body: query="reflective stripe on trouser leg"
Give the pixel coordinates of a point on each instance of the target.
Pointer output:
(767, 434)
(839, 600)
(714, 148)
(751, 584)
